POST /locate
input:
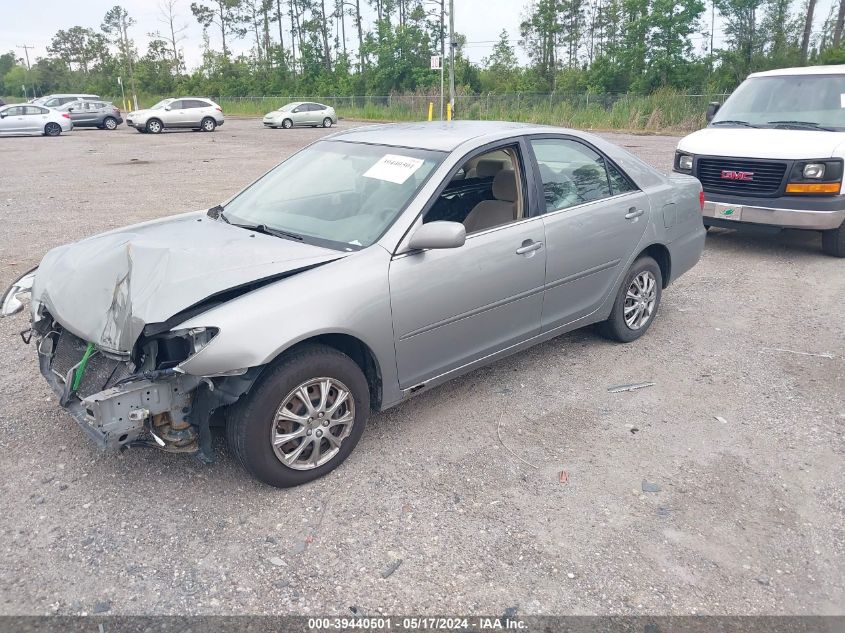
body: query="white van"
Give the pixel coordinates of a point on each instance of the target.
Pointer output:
(772, 156)
(54, 101)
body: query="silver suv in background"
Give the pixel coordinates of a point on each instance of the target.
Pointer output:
(56, 100)
(85, 113)
(301, 113)
(197, 113)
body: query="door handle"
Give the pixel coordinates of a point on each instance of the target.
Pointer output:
(529, 247)
(633, 212)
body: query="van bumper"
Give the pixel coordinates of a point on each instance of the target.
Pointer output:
(819, 214)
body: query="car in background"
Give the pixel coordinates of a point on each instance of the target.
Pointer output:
(301, 113)
(56, 100)
(100, 114)
(772, 156)
(2, 103)
(366, 268)
(25, 118)
(196, 113)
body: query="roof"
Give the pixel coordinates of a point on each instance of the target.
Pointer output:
(435, 135)
(803, 70)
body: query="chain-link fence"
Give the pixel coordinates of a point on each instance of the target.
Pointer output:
(661, 110)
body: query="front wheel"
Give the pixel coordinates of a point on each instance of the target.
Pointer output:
(52, 129)
(303, 418)
(637, 302)
(327, 122)
(287, 124)
(154, 126)
(833, 241)
(208, 124)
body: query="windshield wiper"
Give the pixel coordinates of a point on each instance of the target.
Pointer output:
(807, 125)
(742, 123)
(216, 213)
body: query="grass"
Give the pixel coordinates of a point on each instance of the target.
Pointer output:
(664, 111)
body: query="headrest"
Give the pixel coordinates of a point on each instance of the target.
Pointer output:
(504, 186)
(487, 167)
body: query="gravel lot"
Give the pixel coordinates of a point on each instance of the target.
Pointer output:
(748, 517)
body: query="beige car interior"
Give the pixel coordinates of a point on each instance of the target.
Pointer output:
(506, 205)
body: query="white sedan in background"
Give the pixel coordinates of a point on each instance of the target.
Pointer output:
(26, 118)
(301, 113)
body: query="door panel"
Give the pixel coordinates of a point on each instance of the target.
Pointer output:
(13, 122)
(588, 247)
(454, 306)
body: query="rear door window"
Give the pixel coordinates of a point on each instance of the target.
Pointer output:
(571, 173)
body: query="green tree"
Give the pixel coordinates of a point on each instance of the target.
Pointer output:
(501, 67)
(116, 25)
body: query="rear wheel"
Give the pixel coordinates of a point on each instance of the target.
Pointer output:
(833, 241)
(303, 418)
(52, 129)
(327, 122)
(636, 304)
(110, 123)
(287, 124)
(208, 124)
(154, 126)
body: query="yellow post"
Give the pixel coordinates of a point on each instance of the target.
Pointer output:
(448, 111)
(430, 110)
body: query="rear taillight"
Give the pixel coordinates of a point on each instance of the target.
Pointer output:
(219, 109)
(66, 115)
(701, 199)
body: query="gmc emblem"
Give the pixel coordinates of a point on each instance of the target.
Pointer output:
(746, 176)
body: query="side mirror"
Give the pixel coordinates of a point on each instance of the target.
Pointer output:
(70, 109)
(438, 235)
(167, 107)
(712, 109)
(3, 115)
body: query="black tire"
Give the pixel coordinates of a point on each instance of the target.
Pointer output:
(250, 421)
(327, 122)
(833, 242)
(52, 129)
(287, 124)
(154, 126)
(615, 327)
(110, 123)
(208, 124)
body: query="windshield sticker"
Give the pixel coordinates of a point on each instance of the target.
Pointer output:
(842, 100)
(394, 168)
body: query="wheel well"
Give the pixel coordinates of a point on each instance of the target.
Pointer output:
(359, 352)
(660, 254)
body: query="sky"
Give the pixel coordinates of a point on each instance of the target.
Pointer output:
(34, 23)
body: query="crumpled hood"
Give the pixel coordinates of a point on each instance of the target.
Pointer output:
(106, 288)
(763, 143)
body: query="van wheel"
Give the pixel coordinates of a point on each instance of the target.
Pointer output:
(52, 129)
(154, 126)
(636, 304)
(302, 419)
(833, 241)
(208, 124)
(287, 124)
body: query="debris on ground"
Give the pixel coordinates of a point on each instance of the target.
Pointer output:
(563, 477)
(632, 387)
(499, 435)
(102, 606)
(792, 351)
(651, 487)
(720, 419)
(392, 567)
(275, 560)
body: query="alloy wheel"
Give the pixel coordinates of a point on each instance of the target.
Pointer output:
(111, 124)
(640, 300)
(312, 422)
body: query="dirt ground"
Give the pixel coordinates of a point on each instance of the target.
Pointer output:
(741, 442)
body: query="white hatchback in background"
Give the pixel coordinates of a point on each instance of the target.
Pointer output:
(772, 156)
(20, 119)
(197, 113)
(301, 113)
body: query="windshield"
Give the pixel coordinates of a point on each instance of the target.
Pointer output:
(288, 107)
(342, 195)
(161, 104)
(817, 100)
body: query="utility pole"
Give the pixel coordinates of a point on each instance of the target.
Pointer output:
(452, 45)
(443, 52)
(712, 30)
(26, 48)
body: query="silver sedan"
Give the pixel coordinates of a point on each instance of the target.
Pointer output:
(301, 113)
(28, 119)
(304, 302)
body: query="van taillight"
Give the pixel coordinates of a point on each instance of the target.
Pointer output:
(701, 199)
